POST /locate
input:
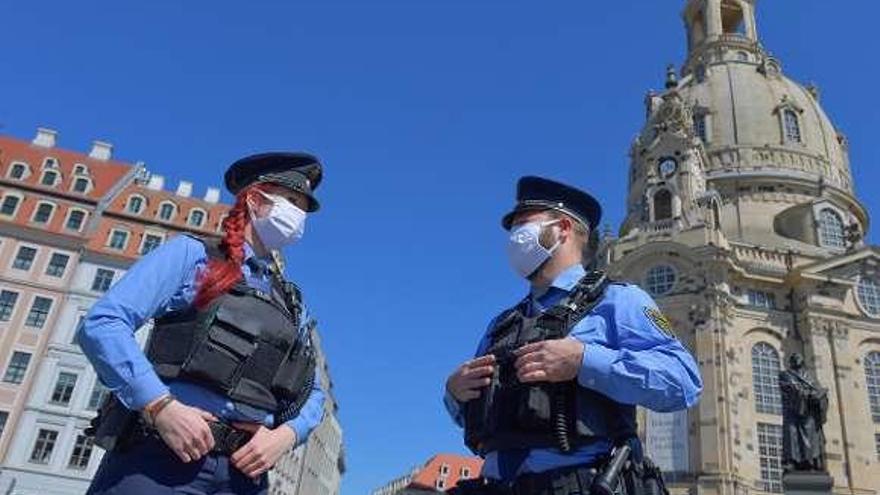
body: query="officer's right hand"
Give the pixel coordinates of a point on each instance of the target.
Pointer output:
(468, 380)
(185, 430)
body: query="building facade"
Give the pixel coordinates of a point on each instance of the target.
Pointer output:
(70, 225)
(439, 474)
(743, 223)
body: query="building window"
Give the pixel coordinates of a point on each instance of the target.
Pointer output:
(82, 452)
(465, 472)
(831, 231)
(151, 242)
(64, 387)
(440, 484)
(24, 258)
(99, 393)
(765, 379)
(761, 299)
(135, 204)
(17, 171)
(10, 205)
(44, 446)
(36, 317)
(660, 280)
(118, 239)
(43, 213)
(876, 443)
(792, 126)
(103, 279)
(872, 382)
(166, 211)
(869, 296)
(444, 469)
(770, 453)
(57, 264)
(80, 185)
(196, 218)
(50, 177)
(80, 169)
(4, 417)
(7, 304)
(75, 220)
(700, 127)
(662, 205)
(17, 368)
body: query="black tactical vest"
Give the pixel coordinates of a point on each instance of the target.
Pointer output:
(246, 344)
(509, 414)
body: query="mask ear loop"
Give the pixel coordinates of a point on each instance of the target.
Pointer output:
(551, 223)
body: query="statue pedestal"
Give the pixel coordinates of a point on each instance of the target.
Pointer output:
(807, 483)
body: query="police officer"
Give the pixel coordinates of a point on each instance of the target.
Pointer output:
(553, 389)
(228, 381)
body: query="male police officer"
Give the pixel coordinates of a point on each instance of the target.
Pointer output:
(228, 382)
(556, 379)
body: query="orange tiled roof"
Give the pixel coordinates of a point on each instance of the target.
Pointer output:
(448, 467)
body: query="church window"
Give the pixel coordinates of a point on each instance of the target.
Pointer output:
(792, 126)
(770, 456)
(765, 379)
(662, 205)
(700, 127)
(742, 56)
(761, 299)
(660, 280)
(869, 296)
(872, 383)
(831, 232)
(716, 215)
(732, 18)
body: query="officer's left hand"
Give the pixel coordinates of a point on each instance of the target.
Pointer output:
(263, 450)
(549, 360)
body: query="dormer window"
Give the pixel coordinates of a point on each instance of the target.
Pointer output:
(792, 126)
(135, 204)
(196, 218)
(81, 185)
(80, 169)
(18, 171)
(50, 163)
(50, 177)
(831, 230)
(167, 211)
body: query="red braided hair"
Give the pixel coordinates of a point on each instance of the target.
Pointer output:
(221, 274)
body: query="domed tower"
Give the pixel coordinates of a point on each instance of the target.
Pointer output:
(743, 223)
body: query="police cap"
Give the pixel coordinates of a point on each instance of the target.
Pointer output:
(300, 172)
(537, 193)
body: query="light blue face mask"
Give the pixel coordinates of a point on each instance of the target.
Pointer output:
(524, 248)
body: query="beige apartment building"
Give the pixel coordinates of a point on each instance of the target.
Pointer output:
(743, 222)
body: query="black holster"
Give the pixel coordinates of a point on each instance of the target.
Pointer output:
(114, 426)
(644, 478)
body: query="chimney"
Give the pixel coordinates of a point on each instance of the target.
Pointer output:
(101, 150)
(45, 137)
(212, 195)
(156, 182)
(184, 189)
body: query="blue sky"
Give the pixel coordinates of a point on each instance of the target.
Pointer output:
(425, 112)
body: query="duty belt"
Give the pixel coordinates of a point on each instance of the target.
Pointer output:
(227, 439)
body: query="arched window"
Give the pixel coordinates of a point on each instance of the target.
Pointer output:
(662, 205)
(732, 18)
(872, 381)
(868, 292)
(765, 378)
(18, 171)
(700, 127)
(135, 204)
(660, 280)
(792, 126)
(831, 231)
(196, 217)
(167, 211)
(716, 215)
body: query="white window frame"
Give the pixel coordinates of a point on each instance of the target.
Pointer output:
(67, 219)
(51, 163)
(658, 266)
(160, 235)
(49, 263)
(52, 307)
(143, 207)
(174, 212)
(788, 105)
(817, 212)
(27, 170)
(77, 379)
(80, 170)
(15, 256)
(37, 209)
(127, 238)
(769, 407)
(858, 296)
(204, 217)
(17, 207)
(89, 184)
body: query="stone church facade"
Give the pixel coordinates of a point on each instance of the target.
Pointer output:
(743, 223)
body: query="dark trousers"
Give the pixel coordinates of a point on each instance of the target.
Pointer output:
(149, 467)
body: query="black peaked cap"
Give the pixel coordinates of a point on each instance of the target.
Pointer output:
(300, 172)
(538, 193)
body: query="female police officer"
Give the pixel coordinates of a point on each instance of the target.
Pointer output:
(228, 381)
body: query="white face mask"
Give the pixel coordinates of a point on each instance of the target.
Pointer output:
(524, 248)
(284, 225)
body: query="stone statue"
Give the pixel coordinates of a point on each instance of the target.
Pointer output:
(805, 409)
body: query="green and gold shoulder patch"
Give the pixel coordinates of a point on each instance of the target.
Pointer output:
(659, 320)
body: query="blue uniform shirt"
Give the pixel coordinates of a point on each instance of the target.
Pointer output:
(161, 282)
(627, 357)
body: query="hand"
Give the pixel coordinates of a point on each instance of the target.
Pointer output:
(549, 360)
(185, 430)
(470, 378)
(263, 450)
